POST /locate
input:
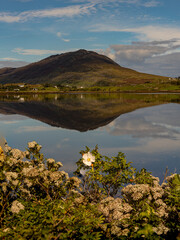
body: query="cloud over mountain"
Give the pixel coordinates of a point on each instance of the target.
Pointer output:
(143, 55)
(12, 63)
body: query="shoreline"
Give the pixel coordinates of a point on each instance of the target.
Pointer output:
(85, 92)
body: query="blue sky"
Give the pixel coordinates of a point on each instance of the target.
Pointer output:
(139, 34)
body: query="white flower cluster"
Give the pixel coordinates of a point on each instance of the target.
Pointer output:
(75, 181)
(7, 148)
(16, 207)
(57, 177)
(11, 176)
(52, 164)
(136, 192)
(117, 211)
(152, 195)
(160, 229)
(29, 176)
(170, 178)
(17, 154)
(50, 161)
(32, 144)
(120, 211)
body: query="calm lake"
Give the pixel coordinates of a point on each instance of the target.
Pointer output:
(146, 127)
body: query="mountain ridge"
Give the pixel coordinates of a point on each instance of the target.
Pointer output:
(75, 68)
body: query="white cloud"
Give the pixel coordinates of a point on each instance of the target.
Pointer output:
(165, 65)
(153, 53)
(108, 52)
(34, 129)
(24, 0)
(8, 18)
(152, 33)
(10, 122)
(13, 118)
(12, 63)
(151, 4)
(9, 59)
(66, 40)
(60, 35)
(155, 146)
(70, 11)
(145, 33)
(153, 122)
(87, 7)
(140, 51)
(144, 3)
(36, 51)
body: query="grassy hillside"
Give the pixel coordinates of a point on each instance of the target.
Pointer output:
(80, 68)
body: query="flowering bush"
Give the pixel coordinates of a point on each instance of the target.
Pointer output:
(105, 176)
(109, 200)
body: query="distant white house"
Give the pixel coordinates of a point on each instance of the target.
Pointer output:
(21, 99)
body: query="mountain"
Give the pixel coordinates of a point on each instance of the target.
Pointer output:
(6, 70)
(77, 68)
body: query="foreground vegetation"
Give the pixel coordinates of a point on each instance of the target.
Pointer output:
(106, 199)
(161, 86)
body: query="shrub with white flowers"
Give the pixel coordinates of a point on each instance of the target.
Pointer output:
(106, 199)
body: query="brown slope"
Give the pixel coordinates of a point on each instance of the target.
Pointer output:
(6, 70)
(87, 67)
(53, 66)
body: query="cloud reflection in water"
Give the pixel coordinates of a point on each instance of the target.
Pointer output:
(155, 137)
(149, 137)
(156, 122)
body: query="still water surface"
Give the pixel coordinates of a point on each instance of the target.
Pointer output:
(145, 127)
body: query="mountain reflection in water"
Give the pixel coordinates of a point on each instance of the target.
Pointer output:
(145, 127)
(80, 112)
